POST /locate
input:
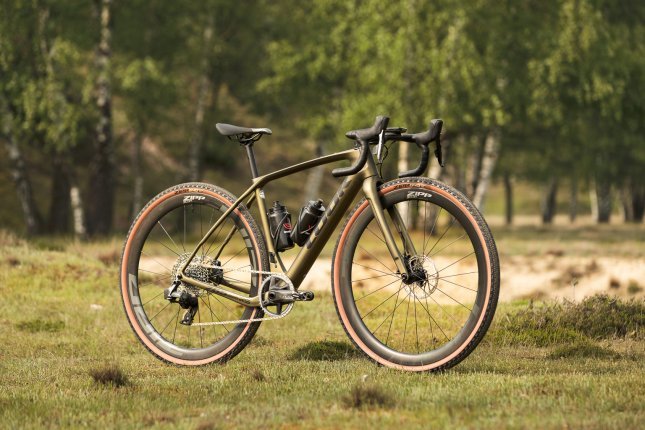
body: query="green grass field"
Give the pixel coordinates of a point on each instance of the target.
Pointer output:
(64, 334)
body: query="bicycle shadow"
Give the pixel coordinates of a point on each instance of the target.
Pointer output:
(325, 351)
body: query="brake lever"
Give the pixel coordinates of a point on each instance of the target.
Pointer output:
(380, 146)
(437, 151)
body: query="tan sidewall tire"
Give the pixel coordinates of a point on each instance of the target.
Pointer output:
(491, 259)
(261, 257)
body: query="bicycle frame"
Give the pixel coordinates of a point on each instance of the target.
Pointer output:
(365, 180)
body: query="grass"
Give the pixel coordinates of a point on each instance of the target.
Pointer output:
(65, 363)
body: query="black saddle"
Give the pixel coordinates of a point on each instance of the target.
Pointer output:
(241, 132)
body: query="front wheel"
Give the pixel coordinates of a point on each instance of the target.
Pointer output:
(434, 319)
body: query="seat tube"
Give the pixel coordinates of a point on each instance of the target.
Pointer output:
(371, 193)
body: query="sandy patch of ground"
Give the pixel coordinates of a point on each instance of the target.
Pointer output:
(551, 276)
(547, 276)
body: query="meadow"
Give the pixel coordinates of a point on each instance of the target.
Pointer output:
(69, 359)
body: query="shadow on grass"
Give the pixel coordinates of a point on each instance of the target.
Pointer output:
(325, 351)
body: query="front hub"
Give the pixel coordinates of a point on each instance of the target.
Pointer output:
(423, 276)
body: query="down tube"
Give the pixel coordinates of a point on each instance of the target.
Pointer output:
(332, 216)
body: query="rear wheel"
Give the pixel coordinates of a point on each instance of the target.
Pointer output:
(430, 322)
(160, 240)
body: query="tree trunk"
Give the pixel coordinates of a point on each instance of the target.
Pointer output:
(402, 166)
(549, 202)
(76, 203)
(315, 177)
(477, 159)
(602, 201)
(508, 198)
(573, 200)
(632, 198)
(638, 201)
(18, 170)
(435, 172)
(626, 203)
(137, 175)
(59, 207)
(101, 183)
(197, 137)
(491, 153)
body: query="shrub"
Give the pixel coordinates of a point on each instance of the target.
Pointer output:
(367, 395)
(596, 317)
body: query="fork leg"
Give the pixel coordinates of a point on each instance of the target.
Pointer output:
(371, 193)
(403, 231)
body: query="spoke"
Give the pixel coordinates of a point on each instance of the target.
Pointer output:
(458, 274)
(370, 230)
(236, 254)
(393, 313)
(364, 316)
(199, 328)
(444, 233)
(369, 253)
(405, 328)
(376, 270)
(457, 301)
(431, 231)
(384, 286)
(416, 324)
(155, 260)
(459, 285)
(434, 340)
(425, 216)
(201, 228)
(165, 231)
(162, 309)
(154, 281)
(444, 311)
(152, 299)
(213, 314)
(165, 246)
(452, 264)
(389, 315)
(156, 273)
(164, 329)
(435, 321)
(183, 241)
(373, 277)
(176, 322)
(437, 252)
(222, 303)
(221, 227)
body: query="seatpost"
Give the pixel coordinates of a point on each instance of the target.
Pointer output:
(251, 156)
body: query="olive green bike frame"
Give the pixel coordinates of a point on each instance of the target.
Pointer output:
(366, 180)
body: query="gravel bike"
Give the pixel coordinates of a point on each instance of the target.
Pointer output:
(415, 271)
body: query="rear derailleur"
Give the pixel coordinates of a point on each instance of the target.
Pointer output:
(186, 300)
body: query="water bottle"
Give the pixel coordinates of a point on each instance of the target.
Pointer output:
(309, 216)
(280, 225)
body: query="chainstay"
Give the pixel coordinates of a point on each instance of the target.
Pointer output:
(269, 318)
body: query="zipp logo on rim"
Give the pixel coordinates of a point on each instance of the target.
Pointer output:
(189, 199)
(418, 194)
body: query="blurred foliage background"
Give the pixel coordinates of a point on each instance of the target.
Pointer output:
(105, 103)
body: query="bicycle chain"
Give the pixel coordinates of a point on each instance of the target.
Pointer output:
(281, 276)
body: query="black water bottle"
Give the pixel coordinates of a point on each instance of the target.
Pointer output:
(307, 220)
(280, 225)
